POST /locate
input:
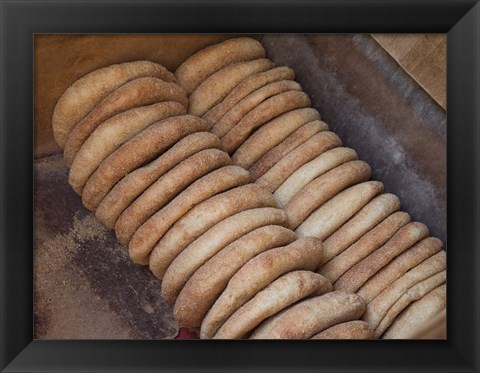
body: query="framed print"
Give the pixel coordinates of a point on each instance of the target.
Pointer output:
(74, 298)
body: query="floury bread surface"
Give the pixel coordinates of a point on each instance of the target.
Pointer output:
(201, 65)
(208, 224)
(208, 282)
(309, 317)
(313, 179)
(86, 92)
(162, 182)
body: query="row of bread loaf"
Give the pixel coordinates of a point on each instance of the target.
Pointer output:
(223, 250)
(266, 123)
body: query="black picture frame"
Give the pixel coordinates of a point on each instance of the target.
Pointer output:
(20, 20)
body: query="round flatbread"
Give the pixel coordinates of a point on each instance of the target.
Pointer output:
(166, 188)
(272, 134)
(214, 89)
(416, 314)
(237, 112)
(149, 233)
(405, 238)
(143, 148)
(378, 209)
(112, 133)
(335, 266)
(389, 307)
(335, 212)
(399, 266)
(266, 111)
(309, 317)
(311, 170)
(207, 283)
(198, 67)
(244, 88)
(256, 274)
(324, 187)
(275, 154)
(135, 93)
(203, 217)
(312, 148)
(137, 181)
(357, 329)
(281, 293)
(212, 241)
(89, 90)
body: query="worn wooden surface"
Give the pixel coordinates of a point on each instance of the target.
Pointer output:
(424, 57)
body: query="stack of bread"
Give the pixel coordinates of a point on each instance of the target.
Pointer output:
(224, 181)
(266, 124)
